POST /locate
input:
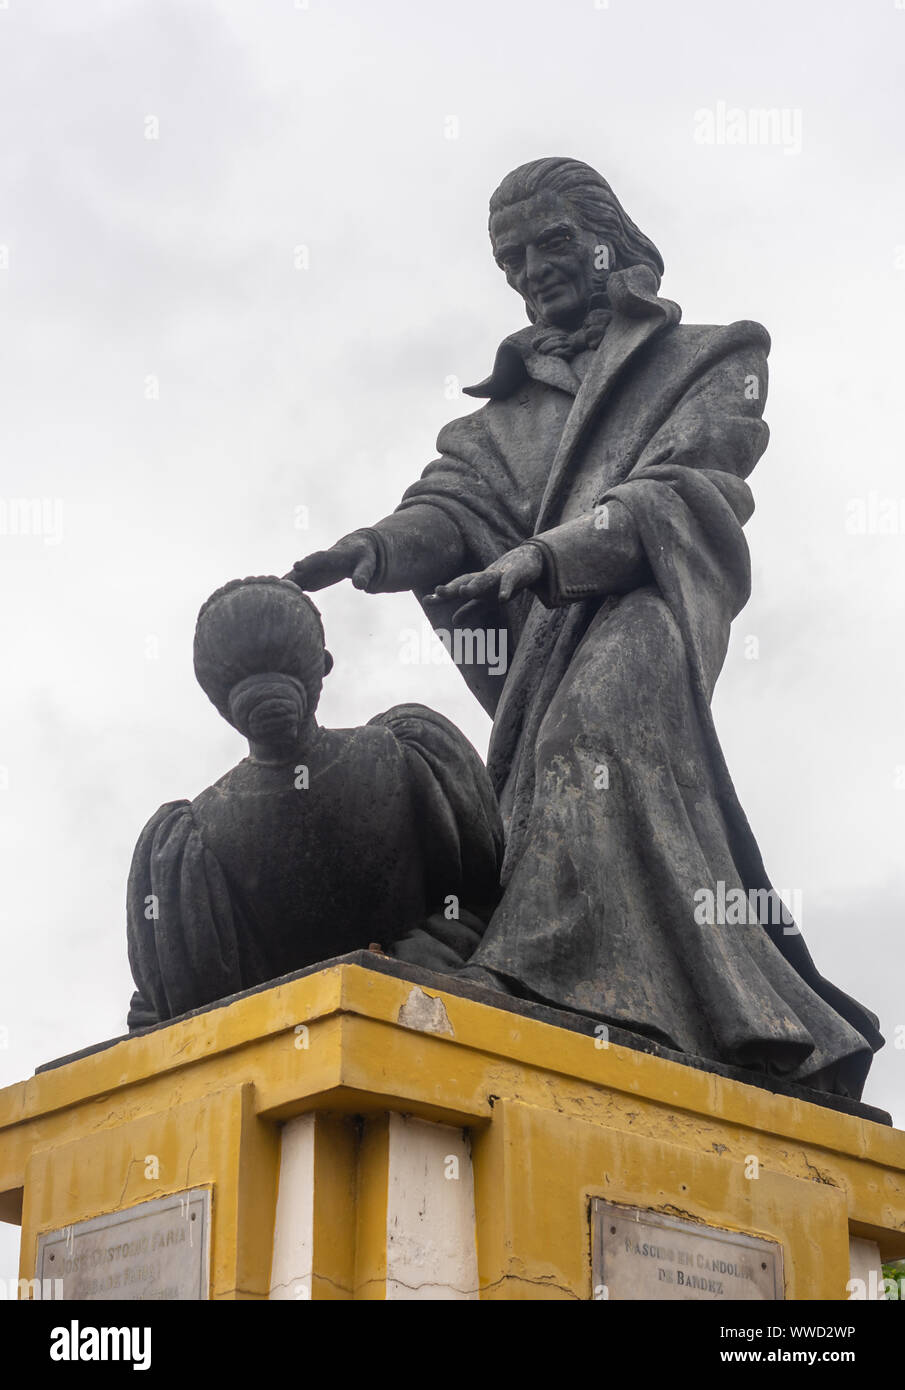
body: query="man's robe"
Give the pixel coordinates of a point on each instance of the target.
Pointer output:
(619, 810)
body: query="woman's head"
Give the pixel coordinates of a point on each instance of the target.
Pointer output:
(260, 657)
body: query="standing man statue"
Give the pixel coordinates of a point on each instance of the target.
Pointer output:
(591, 512)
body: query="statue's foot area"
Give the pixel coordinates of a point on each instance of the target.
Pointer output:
(477, 975)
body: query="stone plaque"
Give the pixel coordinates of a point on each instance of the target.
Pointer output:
(640, 1254)
(157, 1250)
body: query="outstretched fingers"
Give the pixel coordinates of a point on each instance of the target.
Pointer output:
(466, 586)
(315, 571)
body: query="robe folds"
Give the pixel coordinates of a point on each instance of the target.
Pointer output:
(267, 872)
(620, 814)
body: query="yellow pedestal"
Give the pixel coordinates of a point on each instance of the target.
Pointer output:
(531, 1120)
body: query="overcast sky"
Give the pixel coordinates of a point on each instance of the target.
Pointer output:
(260, 316)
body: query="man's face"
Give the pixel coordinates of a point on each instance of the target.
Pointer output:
(547, 257)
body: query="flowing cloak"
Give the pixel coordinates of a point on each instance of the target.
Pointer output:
(625, 837)
(261, 875)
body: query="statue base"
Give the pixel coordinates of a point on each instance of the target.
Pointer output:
(368, 1130)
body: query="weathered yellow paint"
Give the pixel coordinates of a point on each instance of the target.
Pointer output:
(537, 1243)
(555, 1120)
(217, 1142)
(336, 1158)
(371, 1210)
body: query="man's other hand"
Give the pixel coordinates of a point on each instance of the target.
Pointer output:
(502, 580)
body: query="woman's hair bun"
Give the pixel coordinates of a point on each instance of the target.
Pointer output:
(256, 626)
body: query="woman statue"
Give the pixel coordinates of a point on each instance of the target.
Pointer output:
(321, 841)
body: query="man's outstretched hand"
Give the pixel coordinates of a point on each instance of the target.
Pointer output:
(502, 580)
(354, 557)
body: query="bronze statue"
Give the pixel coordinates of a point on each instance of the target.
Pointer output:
(321, 841)
(591, 514)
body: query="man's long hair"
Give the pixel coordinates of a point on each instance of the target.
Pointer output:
(593, 202)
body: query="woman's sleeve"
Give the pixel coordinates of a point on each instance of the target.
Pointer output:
(460, 833)
(182, 926)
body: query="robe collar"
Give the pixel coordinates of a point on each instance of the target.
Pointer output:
(633, 295)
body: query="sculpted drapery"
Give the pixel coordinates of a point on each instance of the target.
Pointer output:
(623, 469)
